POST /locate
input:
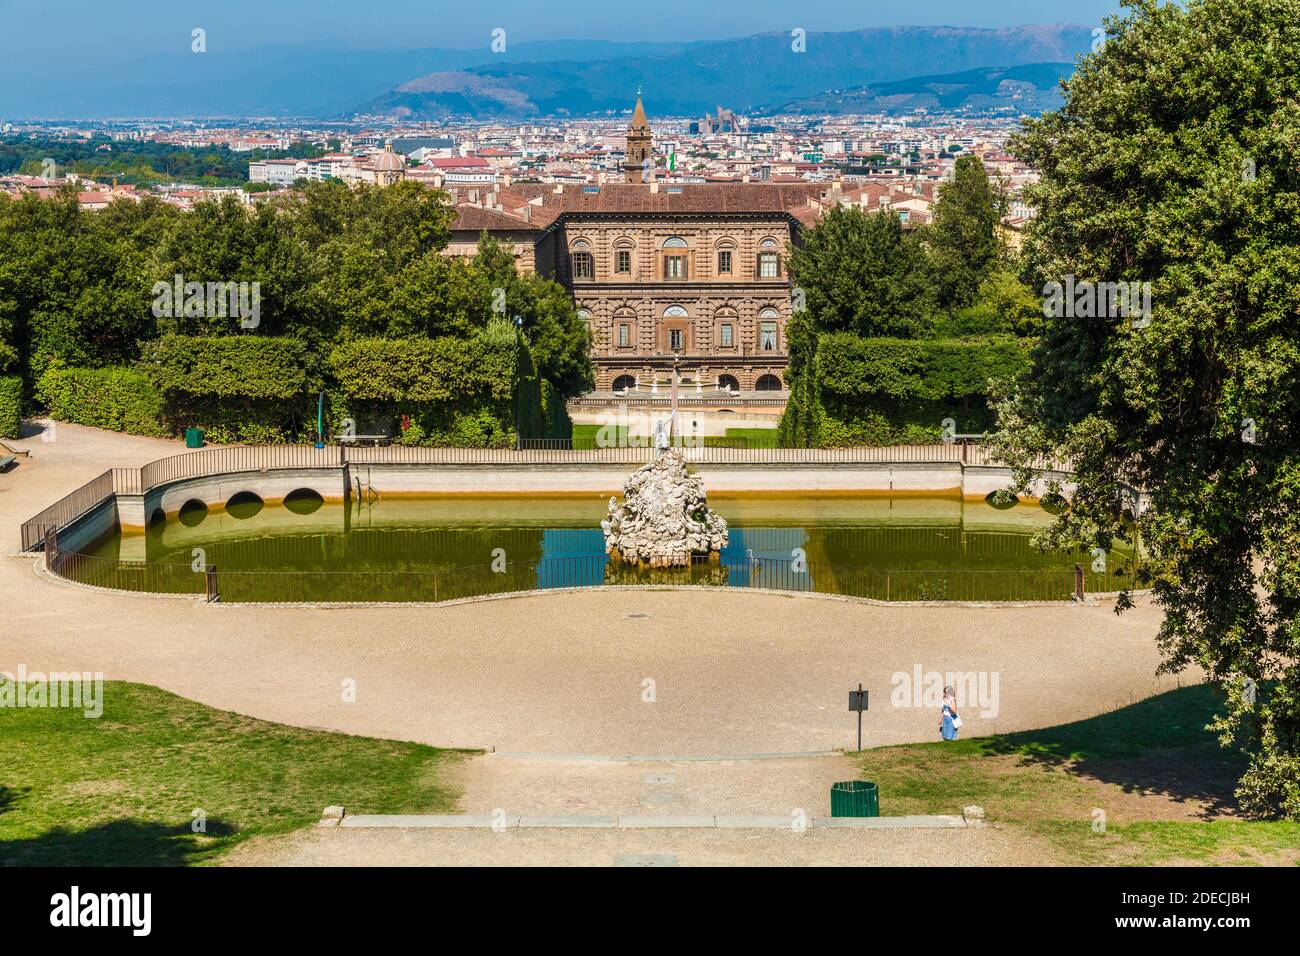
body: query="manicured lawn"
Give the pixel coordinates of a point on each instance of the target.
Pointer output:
(120, 790)
(754, 437)
(1162, 782)
(584, 436)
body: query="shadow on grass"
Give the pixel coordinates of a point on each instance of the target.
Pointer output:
(1159, 745)
(117, 843)
(9, 797)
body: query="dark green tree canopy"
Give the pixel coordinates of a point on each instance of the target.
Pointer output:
(862, 273)
(1174, 161)
(963, 240)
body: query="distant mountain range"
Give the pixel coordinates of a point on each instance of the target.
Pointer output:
(278, 81)
(762, 73)
(1031, 88)
(759, 74)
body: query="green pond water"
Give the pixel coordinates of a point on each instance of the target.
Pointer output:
(429, 549)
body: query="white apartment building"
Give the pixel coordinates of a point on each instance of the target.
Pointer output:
(278, 172)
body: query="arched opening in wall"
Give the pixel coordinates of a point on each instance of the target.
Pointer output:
(728, 383)
(157, 522)
(1054, 503)
(1002, 499)
(245, 504)
(625, 382)
(768, 383)
(193, 512)
(303, 501)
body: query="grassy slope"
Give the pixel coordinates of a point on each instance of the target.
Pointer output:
(1161, 779)
(120, 790)
(584, 436)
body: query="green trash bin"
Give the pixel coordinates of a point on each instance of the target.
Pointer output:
(855, 798)
(194, 438)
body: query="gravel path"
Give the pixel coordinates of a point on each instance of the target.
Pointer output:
(959, 847)
(592, 672)
(612, 672)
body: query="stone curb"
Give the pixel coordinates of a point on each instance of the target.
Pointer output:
(199, 601)
(659, 758)
(641, 822)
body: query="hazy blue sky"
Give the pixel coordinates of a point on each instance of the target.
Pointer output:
(58, 33)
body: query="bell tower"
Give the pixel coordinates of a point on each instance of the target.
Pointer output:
(638, 165)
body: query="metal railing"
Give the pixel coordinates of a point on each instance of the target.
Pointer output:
(583, 571)
(240, 458)
(261, 458)
(68, 509)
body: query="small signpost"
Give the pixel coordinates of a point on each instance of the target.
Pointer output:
(858, 702)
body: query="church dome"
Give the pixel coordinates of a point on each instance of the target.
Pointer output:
(388, 161)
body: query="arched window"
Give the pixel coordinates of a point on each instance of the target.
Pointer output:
(767, 330)
(675, 259)
(625, 383)
(769, 260)
(584, 264)
(624, 328)
(623, 256)
(728, 383)
(768, 383)
(675, 333)
(726, 256)
(725, 326)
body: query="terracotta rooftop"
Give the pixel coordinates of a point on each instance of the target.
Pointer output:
(477, 218)
(687, 198)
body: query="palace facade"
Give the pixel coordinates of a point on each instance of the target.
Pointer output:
(664, 273)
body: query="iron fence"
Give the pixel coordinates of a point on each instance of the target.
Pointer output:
(582, 571)
(67, 510)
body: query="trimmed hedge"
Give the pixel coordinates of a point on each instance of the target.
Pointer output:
(11, 406)
(925, 369)
(850, 390)
(119, 398)
(801, 423)
(423, 369)
(454, 391)
(229, 366)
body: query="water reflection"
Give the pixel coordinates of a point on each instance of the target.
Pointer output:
(908, 548)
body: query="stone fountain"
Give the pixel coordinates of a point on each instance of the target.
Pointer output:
(664, 518)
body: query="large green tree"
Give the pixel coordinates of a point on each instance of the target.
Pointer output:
(863, 273)
(73, 284)
(1176, 161)
(964, 241)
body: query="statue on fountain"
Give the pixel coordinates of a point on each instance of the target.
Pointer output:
(664, 519)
